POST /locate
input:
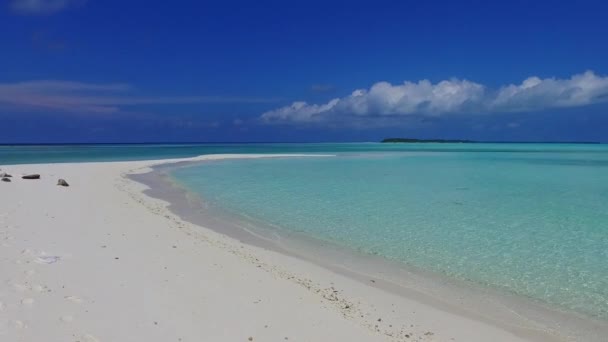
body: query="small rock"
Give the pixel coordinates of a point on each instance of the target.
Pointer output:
(89, 338)
(6, 179)
(5, 175)
(27, 301)
(250, 338)
(62, 182)
(47, 259)
(32, 176)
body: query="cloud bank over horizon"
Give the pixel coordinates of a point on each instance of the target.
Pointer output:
(83, 98)
(384, 100)
(43, 6)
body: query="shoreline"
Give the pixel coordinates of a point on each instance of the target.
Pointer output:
(351, 308)
(525, 317)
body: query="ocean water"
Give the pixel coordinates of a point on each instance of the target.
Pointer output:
(530, 220)
(28, 154)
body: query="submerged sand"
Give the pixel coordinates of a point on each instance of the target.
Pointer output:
(101, 261)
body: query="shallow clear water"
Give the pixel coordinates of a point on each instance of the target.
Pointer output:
(22, 154)
(531, 221)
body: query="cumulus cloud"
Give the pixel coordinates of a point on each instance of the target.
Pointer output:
(43, 6)
(454, 96)
(537, 94)
(78, 97)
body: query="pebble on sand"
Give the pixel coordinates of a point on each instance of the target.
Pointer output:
(6, 179)
(32, 176)
(62, 182)
(5, 175)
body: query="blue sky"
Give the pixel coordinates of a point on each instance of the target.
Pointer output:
(134, 71)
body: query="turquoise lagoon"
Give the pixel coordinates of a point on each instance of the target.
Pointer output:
(521, 219)
(27, 154)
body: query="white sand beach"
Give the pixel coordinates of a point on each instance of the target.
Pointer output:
(101, 261)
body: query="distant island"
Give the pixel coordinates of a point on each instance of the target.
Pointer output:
(410, 140)
(446, 141)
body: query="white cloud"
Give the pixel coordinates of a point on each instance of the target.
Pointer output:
(42, 6)
(453, 96)
(78, 97)
(61, 86)
(538, 94)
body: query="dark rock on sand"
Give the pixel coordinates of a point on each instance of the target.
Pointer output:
(34, 176)
(5, 175)
(62, 182)
(6, 179)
